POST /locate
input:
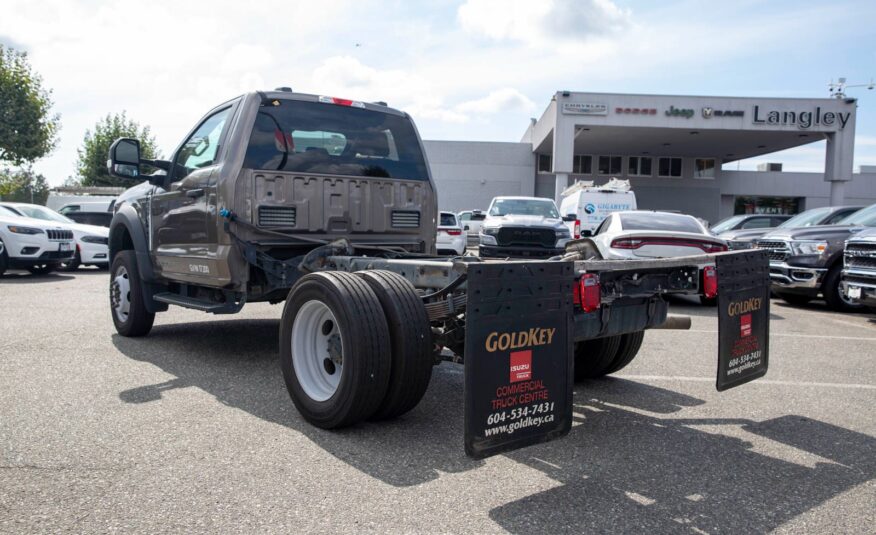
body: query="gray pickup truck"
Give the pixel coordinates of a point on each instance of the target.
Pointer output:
(328, 205)
(859, 269)
(807, 262)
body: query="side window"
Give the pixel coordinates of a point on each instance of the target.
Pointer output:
(757, 222)
(603, 226)
(465, 216)
(200, 148)
(841, 214)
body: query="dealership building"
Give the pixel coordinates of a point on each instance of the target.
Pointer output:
(674, 150)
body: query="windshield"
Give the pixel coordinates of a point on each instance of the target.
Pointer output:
(727, 224)
(539, 207)
(311, 137)
(807, 218)
(865, 218)
(41, 212)
(660, 221)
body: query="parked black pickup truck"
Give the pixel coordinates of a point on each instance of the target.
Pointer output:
(859, 273)
(808, 261)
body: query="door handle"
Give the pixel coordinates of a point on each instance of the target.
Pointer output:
(194, 193)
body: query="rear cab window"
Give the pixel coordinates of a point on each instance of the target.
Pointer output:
(660, 221)
(320, 138)
(448, 220)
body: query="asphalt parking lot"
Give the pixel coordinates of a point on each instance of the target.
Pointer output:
(191, 430)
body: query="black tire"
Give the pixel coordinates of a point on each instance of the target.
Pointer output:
(630, 344)
(593, 358)
(411, 338)
(708, 301)
(365, 344)
(833, 293)
(4, 259)
(794, 299)
(72, 265)
(43, 269)
(139, 320)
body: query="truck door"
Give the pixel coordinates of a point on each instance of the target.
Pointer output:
(179, 216)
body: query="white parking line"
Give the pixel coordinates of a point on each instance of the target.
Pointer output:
(756, 382)
(796, 335)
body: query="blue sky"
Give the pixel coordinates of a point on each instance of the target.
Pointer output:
(467, 69)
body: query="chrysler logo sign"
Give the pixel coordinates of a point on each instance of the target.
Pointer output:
(584, 108)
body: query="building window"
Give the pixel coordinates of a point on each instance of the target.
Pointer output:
(669, 167)
(704, 168)
(610, 165)
(639, 166)
(544, 163)
(583, 165)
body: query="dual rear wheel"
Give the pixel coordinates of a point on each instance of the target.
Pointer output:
(354, 347)
(603, 356)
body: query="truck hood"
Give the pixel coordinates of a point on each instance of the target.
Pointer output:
(866, 236)
(745, 234)
(529, 221)
(818, 232)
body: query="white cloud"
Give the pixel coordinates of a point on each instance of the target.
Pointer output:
(542, 22)
(500, 100)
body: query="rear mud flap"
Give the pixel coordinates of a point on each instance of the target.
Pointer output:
(518, 355)
(743, 317)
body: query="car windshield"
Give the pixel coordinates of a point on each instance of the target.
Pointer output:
(660, 221)
(41, 212)
(807, 218)
(864, 218)
(312, 137)
(448, 219)
(727, 224)
(538, 207)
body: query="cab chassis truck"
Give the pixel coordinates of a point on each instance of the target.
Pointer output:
(328, 205)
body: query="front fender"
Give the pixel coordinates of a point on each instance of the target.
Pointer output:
(127, 232)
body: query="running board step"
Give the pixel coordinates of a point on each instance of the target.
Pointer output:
(198, 304)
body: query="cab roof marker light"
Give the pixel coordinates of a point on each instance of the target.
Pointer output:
(341, 102)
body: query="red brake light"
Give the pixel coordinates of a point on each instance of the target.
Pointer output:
(710, 282)
(341, 102)
(453, 232)
(589, 293)
(635, 243)
(627, 243)
(577, 232)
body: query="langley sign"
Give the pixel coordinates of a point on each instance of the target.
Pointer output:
(801, 119)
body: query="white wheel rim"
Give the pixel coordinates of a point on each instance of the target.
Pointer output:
(120, 294)
(317, 350)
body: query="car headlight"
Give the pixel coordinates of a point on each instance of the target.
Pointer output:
(808, 247)
(563, 233)
(741, 244)
(493, 231)
(24, 230)
(486, 239)
(95, 239)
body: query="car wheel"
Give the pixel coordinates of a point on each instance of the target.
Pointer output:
(833, 292)
(4, 259)
(594, 358)
(73, 264)
(794, 299)
(127, 302)
(627, 350)
(43, 269)
(411, 338)
(334, 349)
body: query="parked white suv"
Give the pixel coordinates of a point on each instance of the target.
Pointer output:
(37, 246)
(91, 241)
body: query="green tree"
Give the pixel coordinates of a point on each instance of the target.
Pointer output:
(23, 185)
(91, 166)
(28, 129)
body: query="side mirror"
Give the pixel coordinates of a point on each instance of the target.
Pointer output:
(570, 217)
(586, 233)
(124, 158)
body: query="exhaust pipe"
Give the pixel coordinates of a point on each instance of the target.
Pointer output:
(674, 321)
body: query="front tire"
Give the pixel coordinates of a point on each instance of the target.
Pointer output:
(43, 269)
(833, 292)
(127, 302)
(334, 349)
(4, 259)
(411, 339)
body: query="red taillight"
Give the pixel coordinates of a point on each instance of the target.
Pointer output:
(577, 232)
(341, 102)
(453, 232)
(710, 282)
(714, 247)
(587, 292)
(627, 243)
